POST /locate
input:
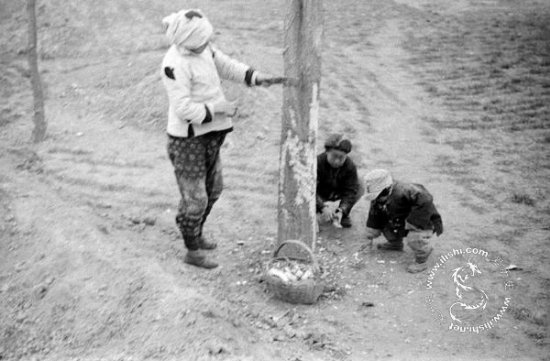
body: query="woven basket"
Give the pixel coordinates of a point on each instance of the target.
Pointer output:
(305, 291)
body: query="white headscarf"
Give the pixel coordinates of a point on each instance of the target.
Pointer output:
(189, 28)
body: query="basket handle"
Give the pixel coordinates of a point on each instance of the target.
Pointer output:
(301, 245)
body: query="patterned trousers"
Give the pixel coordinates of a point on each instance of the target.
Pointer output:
(198, 171)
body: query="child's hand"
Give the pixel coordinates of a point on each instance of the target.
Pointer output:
(438, 227)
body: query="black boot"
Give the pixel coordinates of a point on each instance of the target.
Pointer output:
(197, 258)
(346, 221)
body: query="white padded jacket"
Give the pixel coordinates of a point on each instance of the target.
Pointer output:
(193, 85)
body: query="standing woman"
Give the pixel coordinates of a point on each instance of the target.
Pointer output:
(199, 117)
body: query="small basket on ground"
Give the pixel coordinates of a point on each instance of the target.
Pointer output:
(294, 280)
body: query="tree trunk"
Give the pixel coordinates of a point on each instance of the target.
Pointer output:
(298, 161)
(39, 131)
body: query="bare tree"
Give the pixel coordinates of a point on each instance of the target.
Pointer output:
(39, 131)
(298, 178)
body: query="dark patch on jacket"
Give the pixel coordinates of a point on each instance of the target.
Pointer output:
(169, 72)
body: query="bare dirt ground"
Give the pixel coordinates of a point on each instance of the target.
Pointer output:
(451, 94)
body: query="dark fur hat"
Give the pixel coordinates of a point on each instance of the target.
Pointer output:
(338, 142)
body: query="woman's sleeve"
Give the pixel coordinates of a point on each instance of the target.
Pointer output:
(231, 69)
